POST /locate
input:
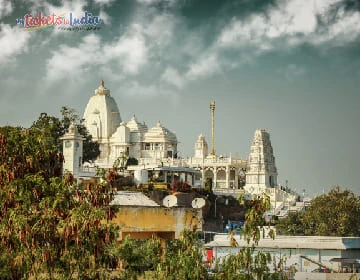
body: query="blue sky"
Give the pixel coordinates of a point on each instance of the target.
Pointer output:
(289, 66)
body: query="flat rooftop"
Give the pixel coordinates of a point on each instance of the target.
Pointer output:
(292, 242)
(131, 198)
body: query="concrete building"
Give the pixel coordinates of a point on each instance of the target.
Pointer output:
(139, 217)
(305, 253)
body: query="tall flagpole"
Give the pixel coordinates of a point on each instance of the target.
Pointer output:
(212, 108)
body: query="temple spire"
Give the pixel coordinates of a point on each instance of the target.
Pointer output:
(261, 172)
(102, 90)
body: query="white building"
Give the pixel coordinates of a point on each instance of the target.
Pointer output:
(156, 149)
(305, 253)
(261, 172)
(72, 150)
(115, 137)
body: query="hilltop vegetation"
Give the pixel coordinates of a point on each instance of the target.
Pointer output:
(333, 214)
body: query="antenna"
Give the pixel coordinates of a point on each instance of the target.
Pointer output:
(170, 201)
(198, 203)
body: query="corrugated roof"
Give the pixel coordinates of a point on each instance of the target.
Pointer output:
(130, 198)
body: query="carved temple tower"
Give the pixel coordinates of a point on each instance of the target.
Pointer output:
(102, 118)
(261, 172)
(201, 147)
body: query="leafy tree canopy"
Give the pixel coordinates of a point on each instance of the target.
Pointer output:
(332, 214)
(56, 128)
(49, 227)
(292, 224)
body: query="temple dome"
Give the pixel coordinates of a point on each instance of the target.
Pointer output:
(137, 130)
(102, 115)
(160, 134)
(121, 135)
(134, 125)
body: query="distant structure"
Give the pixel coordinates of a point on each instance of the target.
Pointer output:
(261, 172)
(157, 154)
(305, 253)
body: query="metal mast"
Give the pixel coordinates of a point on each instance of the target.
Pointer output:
(212, 108)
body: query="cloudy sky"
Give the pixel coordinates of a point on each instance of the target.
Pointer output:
(289, 66)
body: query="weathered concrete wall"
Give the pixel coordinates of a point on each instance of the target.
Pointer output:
(141, 222)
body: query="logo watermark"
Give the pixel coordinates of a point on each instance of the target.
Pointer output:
(65, 21)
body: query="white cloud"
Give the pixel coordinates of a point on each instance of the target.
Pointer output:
(136, 89)
(105, 17)
(76, 7)
(344, 29)
(5, 8)
(144, 41)
(152, 2)
(172, 77)
(130, 51)
(71, 62)
(176, 55)
(284, 25)
(205, 66)
(104, 2)
(13, 41)
(294, 21)
(160, 29)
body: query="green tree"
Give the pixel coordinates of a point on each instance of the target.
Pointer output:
(140, 255)
(249, 263)
(333, 214)
(49, 227)
(292, 224)
(90, 148)
(121, 162)
(56, 128)
(132, 161)
(182, 259)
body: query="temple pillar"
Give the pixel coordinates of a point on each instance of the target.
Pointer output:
(215, 177)
(236, 179)
(203, 177)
